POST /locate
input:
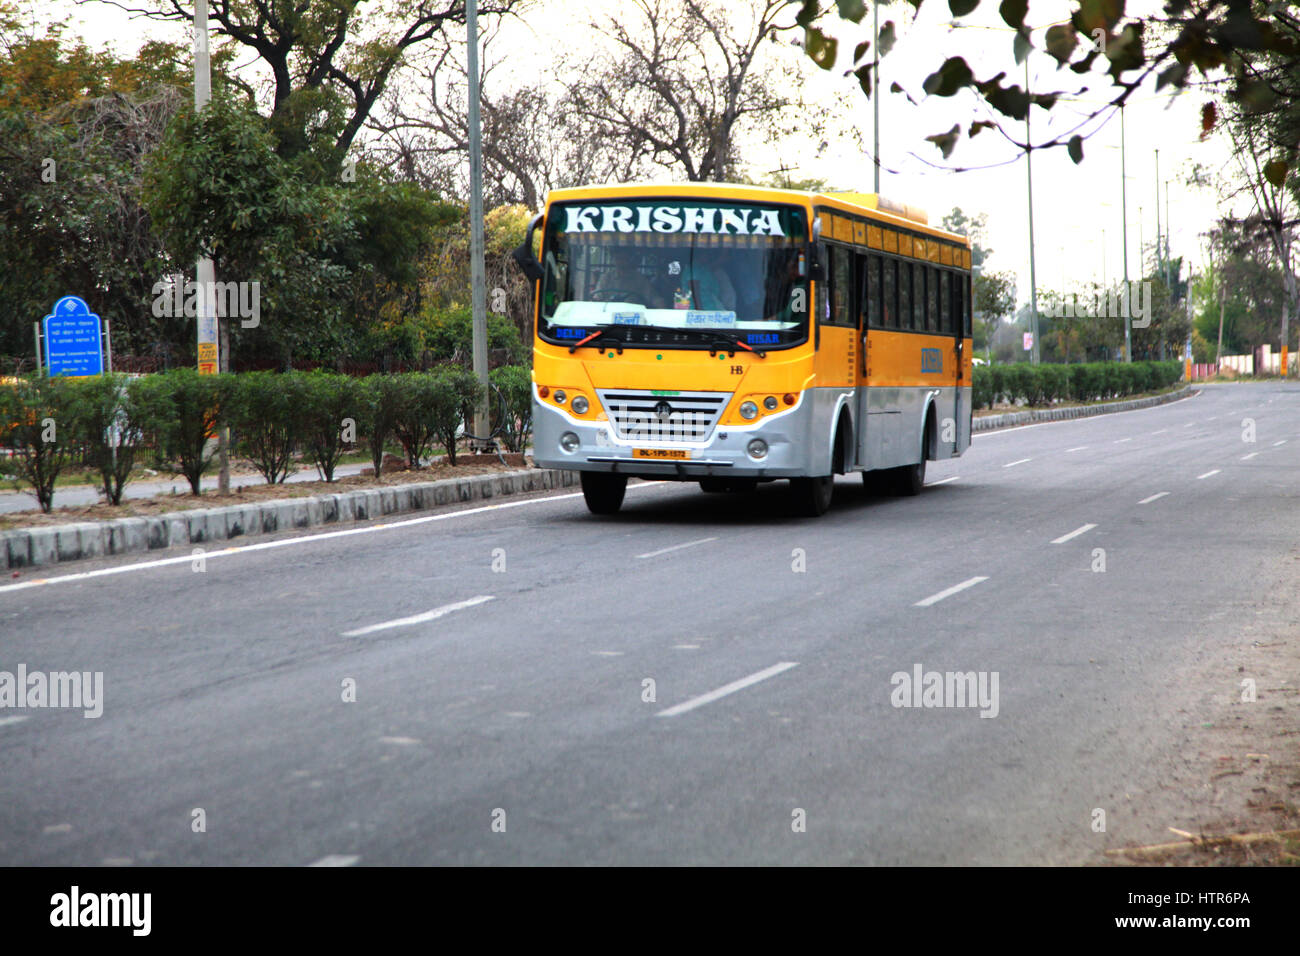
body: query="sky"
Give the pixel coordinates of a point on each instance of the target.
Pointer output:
(1078, 222)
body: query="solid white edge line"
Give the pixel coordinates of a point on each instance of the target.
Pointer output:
(726, 689)
(936, 598)
(335, 860)
(11, 720)
(1209, 473)
(1158, 494)
(301, 539)
(943, 481)
(676, 547)
(1078, 421)
(427, 616)
(1073, 534)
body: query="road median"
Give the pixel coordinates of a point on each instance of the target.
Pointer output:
(44, 545)
(1033, 416)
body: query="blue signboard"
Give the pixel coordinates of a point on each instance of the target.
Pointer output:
(72, 339)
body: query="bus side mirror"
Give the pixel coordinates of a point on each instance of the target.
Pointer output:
(527, 262)
(817, 262)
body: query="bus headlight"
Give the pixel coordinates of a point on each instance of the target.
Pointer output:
(579, 404)
(748, 411)
(757, 448)
(569, 442)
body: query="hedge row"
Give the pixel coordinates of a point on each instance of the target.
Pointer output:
(1082, 382)
(111, 421)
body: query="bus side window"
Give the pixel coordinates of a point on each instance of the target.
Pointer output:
(933, 321)
(904, 295)
(918, 297)
(956, 307)
(965, 283)
(841, 283)
(945, 301)
(889, 293)
(871, 291)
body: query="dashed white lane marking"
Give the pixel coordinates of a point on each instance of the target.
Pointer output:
(1080, 448)
(1160, 431)
(400, 741)
(1188, 424)
(518, 714)
(676, 547)
(335, 860)
(1158, 494)
(433, 615)
(726, 689)
(1073, 534)
(949, 592)
(943, 481)
(1120, 441)
(1018, 461)
(686, 647)
(1282, 442)
(608, 653)
(1208, 474)
(1250, 456)
(302, 539)
(11, 720)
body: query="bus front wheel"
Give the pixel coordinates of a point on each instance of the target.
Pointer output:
(812, 496)
(603, 492)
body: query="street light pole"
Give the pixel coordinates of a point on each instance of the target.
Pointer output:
(478, 292)
(213, 346)
(1033, 281)
(1127, 297)
(875, 100)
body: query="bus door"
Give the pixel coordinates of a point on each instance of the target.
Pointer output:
(867, 286)
(958, 321)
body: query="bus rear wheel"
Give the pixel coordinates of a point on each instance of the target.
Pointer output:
(603, 492)
(812, 496)
(910, 479)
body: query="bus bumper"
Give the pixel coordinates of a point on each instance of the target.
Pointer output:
(726, 454)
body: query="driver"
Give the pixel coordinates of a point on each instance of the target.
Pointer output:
(624, 281)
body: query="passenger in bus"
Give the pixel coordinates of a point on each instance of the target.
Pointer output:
(708, 288)
(624, 281)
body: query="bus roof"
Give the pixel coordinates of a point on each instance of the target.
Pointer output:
(871, 204)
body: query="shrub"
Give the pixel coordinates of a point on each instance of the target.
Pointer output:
(266, 413)
(458, 391)
(183, 409)
(380, 405)
(113, 426)
(330, 402)
(981, 386)
(39, 422)
(1055, 382)
(513, 411)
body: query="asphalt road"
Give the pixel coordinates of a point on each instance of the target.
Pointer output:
(526, 711)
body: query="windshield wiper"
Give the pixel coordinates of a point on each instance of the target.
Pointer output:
(718, 339)
(594, 336)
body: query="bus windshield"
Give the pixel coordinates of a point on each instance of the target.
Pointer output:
(661, 268)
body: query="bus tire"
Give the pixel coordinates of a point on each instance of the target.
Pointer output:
(603, 492)
(812, 496)
(910, 479)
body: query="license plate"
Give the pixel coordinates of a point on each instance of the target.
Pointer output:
(672, 454)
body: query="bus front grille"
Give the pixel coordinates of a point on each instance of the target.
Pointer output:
(663, 416)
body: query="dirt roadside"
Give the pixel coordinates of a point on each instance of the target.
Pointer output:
(1230, 781)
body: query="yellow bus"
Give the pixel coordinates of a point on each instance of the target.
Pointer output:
(732, 334)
